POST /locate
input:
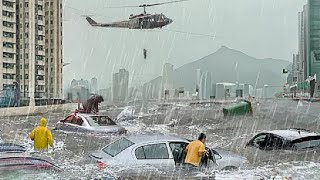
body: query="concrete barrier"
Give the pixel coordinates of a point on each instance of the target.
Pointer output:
(36, 110)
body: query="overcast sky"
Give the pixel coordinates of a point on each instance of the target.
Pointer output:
(259, 28)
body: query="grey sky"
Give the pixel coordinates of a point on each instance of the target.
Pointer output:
(259, 28)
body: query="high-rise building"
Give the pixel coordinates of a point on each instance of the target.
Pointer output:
(205, 86)
(167, 81)
(115, 87)
(124, 84)
(8, 62)
(32, 47)
(120, 86)
(94, 85)
(309, 41)
(53, 48)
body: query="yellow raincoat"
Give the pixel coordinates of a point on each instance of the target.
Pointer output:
(41, 136)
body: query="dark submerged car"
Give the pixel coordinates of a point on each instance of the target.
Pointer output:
(289, 139)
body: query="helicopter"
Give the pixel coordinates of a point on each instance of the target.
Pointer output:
(140, 21)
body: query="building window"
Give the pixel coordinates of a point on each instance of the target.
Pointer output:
(8, 55)
(7, 14)
(8, 66)
(8, 4)
(8, 76)
(8, 45)
(8, 34)
(8, 24)
(39, 58)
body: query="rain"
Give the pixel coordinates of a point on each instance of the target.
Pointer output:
(160, 89)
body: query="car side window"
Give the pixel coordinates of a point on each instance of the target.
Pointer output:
(259, 140)
(152, 151)
(274, 142)
(140, 153)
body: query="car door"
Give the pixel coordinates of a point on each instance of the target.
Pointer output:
(153, 154)
(178, 152)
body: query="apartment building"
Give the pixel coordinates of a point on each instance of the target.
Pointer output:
(32, 47)
(8, 62)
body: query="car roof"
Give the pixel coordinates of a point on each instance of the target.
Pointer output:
(145, 138)
(293, 134)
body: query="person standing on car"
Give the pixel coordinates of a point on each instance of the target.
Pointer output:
(41, 136)
(195, 150)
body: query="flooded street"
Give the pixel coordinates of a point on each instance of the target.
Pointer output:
(71, 149)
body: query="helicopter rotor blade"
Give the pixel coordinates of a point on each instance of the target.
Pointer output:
(148, 5)
(157, 4)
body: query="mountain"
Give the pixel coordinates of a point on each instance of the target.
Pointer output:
(228, 65)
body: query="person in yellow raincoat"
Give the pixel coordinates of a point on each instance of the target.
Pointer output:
(41, 136)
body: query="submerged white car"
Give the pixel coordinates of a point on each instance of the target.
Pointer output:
(160, 151)
(89, 123)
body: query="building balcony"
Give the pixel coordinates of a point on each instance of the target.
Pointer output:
(9, 81)
(41, 22)
(9, 29)
(40, 63)
(41, 12)
(8, 8)
(9, 60)
(40, 72)
(9, 71)
(40, 42)
(40, 82)
(9, 50)
(11, 19)
(40, 53)
(42, 33)
(10, 40)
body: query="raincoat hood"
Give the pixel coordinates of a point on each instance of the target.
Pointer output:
(43, 122)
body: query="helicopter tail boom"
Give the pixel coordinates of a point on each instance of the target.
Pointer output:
(91, 21)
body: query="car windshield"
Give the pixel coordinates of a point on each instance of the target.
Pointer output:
(102, 120)
(308, 144)
(118, 146)
(96, 121)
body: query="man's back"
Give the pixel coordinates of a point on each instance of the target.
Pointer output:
(193, 152)
(41, 136)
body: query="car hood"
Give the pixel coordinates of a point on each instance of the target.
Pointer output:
(228, 154)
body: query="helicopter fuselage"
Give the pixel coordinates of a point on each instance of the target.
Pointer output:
(147, 21)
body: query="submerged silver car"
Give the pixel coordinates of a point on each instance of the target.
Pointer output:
(160, 151)
(89, 123)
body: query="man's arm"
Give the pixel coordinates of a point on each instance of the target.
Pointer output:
(202, 151)
(32, 134)
(50, 139)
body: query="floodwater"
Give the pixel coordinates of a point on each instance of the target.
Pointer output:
(71, 152)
